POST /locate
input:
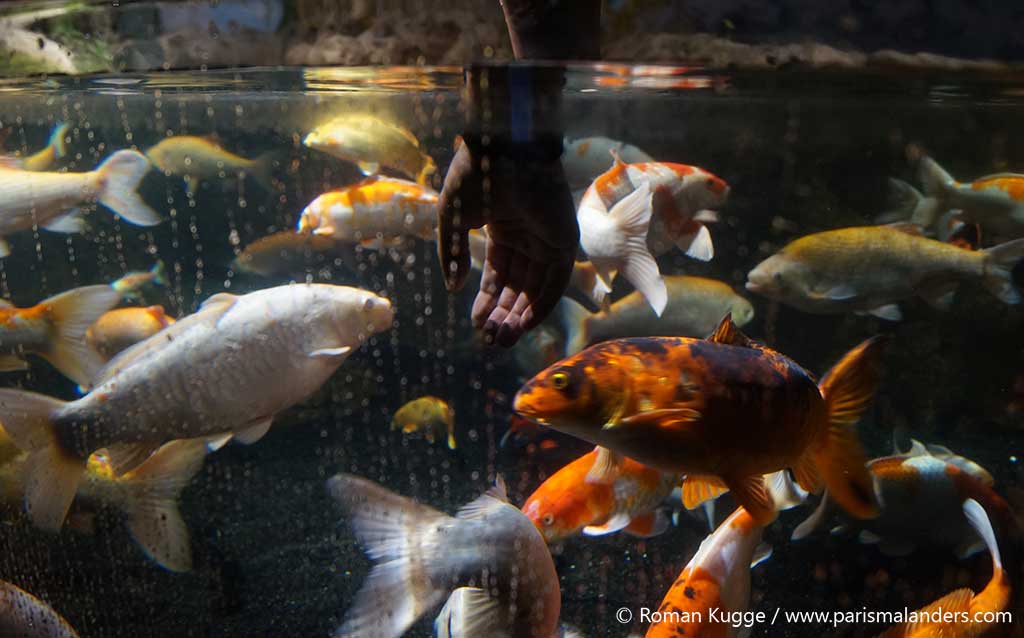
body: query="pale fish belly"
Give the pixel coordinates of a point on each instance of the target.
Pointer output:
(28, 199)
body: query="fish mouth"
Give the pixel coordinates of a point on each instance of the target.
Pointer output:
(753, 286)
(382, 313)
(523, 406)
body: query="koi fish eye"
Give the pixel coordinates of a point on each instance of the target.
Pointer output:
(548, 520)
(368, 304)
(560, 380)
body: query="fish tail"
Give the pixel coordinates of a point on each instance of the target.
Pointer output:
(120, 175)
(262, 170)
(838, 457)
(813, 522)
(429, 168)
(159, 271)
(57, 140)
(937, 182)
(398, 534)
(576, 323)
(909, 205)
(631, 218)
(54, 474)
(71, 314)
(151, 502)
(998, 270)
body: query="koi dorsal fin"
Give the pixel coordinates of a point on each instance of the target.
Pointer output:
(727, 333)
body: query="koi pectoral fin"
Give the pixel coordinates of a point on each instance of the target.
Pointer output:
(665, 417)
(606, 468)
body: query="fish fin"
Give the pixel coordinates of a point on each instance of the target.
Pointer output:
(120, 175)
(964, 235)
(12, 363)
(839, 292)
(5, 248)
(606, 468)
(159, 271)
(917, 449)
(848, 389)
(648, 525)
(221, 302)
(937, 182)
(191, 185)
(889, 312)
(429, 168)
(698, 245)
(215, 443)
(483, 505)
(452, 445)
(978, 519)
(939, 297)
(124, 457)
(728, 333)
(698, 489)
(617, 522)
(152, 505)
(709, 513)
(665, 417)
(784, 492)
(468, 613)
(762, 553)
(70, 223)
(866, 537)
(902, 200)
(331, 352)
(262, 170)
(999, 263)
(706, 216)
(968, 548)
(631, 217)
(806, 473)
(750, 492)
(812, 522)
(955, 602)
(72, 313)
(254, 432)
(398, 535)
(368, 168)
(575, 321)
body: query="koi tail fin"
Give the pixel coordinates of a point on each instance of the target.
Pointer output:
(54, 474)
(72, 313)
(262, 170)
(838, 457)
(937, 182)
(576, 323)
(998, 270)
(159, 271)
(631, 218)
(58, 140)
(151, 505)
(399, 536)
(429, 168)
(978, 519)
(120, 175)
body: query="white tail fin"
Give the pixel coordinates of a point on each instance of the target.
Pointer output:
(999, 263)
(396, 532)
(72, 313)
(632, 217)
(575, 320)
(469, 613)
(784, 491)
(937, 182)
(120, 175)
(27, 616)
(152, 491)
(54, 474)
(814, 521)
(978, 519)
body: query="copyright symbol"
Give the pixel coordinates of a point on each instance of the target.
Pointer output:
(623, 615)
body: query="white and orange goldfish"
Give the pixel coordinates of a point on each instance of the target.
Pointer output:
(996, 202)
(195, 159)
(376, 212)
(228, 368)
(31, 198)
(371, 142)
(55, 329)
(488, 560)
(566, 504)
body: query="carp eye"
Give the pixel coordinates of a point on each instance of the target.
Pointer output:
(548, 520)
(368, 306)
(560, 380)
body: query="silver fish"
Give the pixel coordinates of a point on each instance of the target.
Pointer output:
(22, 615)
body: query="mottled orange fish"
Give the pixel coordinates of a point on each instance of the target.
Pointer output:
(566, 504)
(725, 411)
(962, 613)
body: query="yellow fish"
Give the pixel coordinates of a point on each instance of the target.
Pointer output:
(55, 149)
(429, 415)
(371, 142)
(197, 158)
(118, 329)
(285, 252)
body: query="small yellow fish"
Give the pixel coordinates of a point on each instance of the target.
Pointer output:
(429, 415)
(55, 149)
(371, 142)
(285, 252)
(132, 283)
(197, 158)
(118, 329)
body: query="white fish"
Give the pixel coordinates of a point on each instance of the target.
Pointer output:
(30, 198)
(228, 368)
(424, 556)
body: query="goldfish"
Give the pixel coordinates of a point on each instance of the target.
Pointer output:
(962, 613)
(429, 415)
(584, 159)
(132, 283)
(424, 556)
(55, 149)
(371, 142)
(227, 368)
(566, 504)
(147, 495)
(996, 202)
(716, 580)
(695, 307)
(870, 269)
(725, 411)
(30, 198)
(22, 615)
(633, 212)
(117, 330)
(284, 252)
(377, 211)
(195, 159)
(920, 495)
(55, 329)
